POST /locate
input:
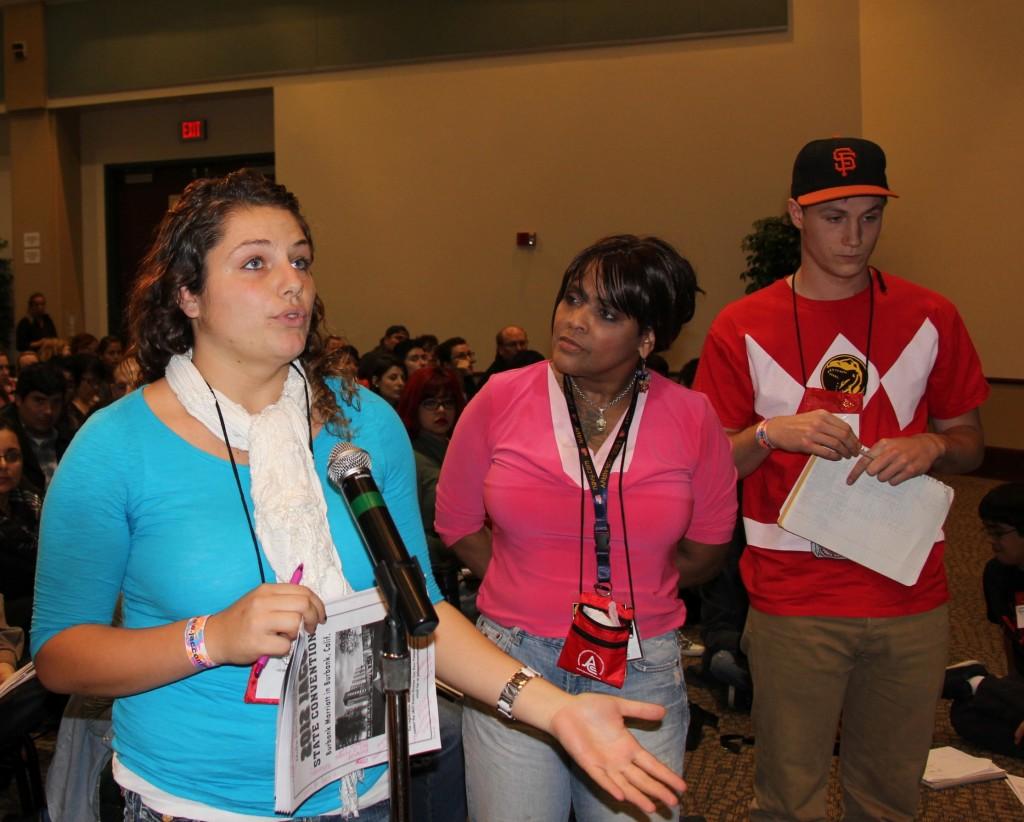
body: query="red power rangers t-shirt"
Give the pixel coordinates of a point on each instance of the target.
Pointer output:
(922, 365)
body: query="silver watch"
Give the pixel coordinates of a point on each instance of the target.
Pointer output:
(512, 689)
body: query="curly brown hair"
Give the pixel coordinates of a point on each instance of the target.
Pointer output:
(189, 230)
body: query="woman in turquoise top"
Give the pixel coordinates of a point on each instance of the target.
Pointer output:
(226, 327)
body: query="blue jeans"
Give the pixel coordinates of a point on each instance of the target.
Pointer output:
(136, 811)
(438, 784)
(515, 773)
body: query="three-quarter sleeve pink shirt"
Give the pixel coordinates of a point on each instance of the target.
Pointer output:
(513, 460)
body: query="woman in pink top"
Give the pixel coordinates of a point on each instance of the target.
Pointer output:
(659, 492)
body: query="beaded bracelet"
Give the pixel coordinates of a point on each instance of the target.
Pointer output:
(195, 642)
(761, 435)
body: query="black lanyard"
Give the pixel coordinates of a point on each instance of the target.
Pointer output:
(234, 467)
(599, 483)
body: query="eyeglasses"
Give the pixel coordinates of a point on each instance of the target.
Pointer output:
(436, 403)
(11, 455)
(994, 531)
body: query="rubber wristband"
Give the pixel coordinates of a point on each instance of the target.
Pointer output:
(195, 642)
(761, 435)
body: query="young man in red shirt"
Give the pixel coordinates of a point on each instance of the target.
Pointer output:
(838, 357)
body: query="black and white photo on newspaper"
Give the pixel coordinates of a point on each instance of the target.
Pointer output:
(331, 718)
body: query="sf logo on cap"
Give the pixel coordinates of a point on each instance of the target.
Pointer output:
(844, 160)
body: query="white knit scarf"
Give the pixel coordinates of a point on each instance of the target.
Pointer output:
(287, 498)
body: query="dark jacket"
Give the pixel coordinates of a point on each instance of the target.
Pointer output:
(32, 330)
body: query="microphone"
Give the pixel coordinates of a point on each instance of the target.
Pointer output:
(399, 576)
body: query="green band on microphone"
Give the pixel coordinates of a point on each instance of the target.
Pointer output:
(365, 501)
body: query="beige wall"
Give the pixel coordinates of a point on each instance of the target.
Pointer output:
(417, 178)
(148, 132)
(942, 86)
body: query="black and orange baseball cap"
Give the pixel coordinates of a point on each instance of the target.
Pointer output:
(839, 167)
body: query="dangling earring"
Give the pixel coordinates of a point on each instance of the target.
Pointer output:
(643, 376)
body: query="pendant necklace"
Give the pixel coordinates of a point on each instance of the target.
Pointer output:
(601, 423)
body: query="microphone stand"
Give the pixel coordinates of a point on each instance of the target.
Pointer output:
(396, 667)
(404, 591)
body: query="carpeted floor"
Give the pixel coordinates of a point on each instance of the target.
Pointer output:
(720, 781)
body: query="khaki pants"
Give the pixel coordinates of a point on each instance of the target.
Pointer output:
(883, 675)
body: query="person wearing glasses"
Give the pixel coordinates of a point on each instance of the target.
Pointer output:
(430, 405)
(989, 710)
(456, 353)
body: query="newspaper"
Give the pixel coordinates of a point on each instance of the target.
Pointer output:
(331, 718)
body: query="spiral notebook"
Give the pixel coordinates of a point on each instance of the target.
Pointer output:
(888, 528)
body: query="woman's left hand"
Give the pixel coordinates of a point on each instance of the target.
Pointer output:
(591, 728)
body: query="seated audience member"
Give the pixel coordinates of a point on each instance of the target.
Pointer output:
(38, 402)
(84, 343)
(7, 381)
(127, 377)
(428, 342)
(392, 337)
(387, 378)
(19, 530)
(110, 350)
(412, 355)
(989, 710)
(53, 347)
(88, 376)
(36, 326)
(455, 353)
(430, 405)
(507, 343)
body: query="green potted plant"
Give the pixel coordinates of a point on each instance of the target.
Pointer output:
(773, 251)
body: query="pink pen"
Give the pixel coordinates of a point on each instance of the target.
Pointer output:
(261, 663)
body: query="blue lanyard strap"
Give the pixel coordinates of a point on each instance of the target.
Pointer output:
(599, 483)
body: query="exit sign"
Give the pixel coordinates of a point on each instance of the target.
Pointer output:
(192, 130)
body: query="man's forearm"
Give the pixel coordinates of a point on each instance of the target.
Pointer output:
(963, 449)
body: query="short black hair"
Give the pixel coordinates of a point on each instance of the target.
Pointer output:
(405, 346)
(394, 329)
(1004, 504)
(643, 277)
(443, 352)
(84, 365)
(44, 377)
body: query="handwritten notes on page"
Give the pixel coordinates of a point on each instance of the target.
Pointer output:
(887, 528)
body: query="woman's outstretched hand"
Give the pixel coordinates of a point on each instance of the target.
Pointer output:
(592, 730)
(263, 622)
